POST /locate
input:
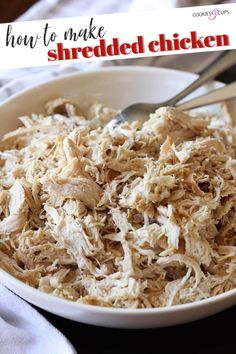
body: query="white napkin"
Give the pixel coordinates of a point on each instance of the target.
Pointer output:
(24, 331)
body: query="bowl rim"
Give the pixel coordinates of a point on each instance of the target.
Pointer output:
(97, 71)
(74, 305)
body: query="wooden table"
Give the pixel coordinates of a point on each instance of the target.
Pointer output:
(11, 9)
(215, 334)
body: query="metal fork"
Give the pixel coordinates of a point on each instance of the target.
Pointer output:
(141, 111)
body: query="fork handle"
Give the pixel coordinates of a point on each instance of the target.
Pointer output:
(219, 95)
(218, 66)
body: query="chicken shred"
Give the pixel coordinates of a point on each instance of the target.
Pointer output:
(131, 217)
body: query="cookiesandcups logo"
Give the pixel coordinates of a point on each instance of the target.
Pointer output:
(211, 15)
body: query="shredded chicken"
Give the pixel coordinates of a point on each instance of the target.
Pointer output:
(135, 216)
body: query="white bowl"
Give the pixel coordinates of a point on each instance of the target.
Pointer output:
(116, 87)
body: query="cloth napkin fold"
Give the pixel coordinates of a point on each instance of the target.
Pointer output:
(22, 329)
